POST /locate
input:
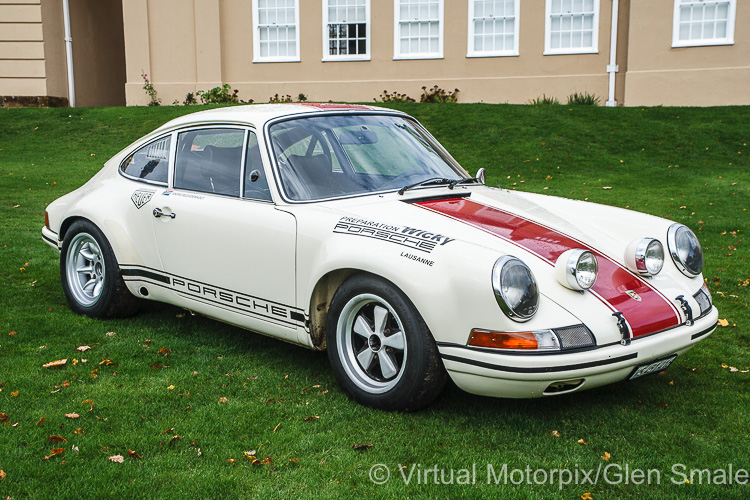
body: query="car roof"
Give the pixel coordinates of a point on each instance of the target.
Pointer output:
(258, 114)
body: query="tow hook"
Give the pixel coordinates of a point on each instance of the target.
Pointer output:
(622, 325)
(686, 309)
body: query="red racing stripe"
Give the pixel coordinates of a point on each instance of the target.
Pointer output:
(652, 314)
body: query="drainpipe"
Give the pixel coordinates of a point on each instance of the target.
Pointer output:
(69, 54)
(612, 67)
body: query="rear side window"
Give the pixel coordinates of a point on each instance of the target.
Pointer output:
(210, 161)
(150, 163)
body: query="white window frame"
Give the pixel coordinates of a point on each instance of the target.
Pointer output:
(548, 51)
(257, 58)
(346, 57)
(728, 40)
(472, 52)
(398, 54)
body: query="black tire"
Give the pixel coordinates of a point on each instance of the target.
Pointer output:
(381, 351)
(90, 275)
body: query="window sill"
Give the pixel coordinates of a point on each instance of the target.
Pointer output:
(346, 58)
(570, 52)
(492, 54)
(702, 43)
(278, 60)
(417, 56)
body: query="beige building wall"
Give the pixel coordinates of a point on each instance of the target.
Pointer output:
(32, 51)
(22, 65)
(658, 74)
(189, 45)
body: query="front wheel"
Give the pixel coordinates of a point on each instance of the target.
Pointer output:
(90, 274)
(381, 351)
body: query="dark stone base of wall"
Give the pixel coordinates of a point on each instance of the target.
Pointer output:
(37, 101)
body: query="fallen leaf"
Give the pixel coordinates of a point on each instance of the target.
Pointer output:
(117, 459)
(134, 455)
(315, 417)
(72, 415)
(249, 454)
(174, 439)
(266, 461)
(54, 452)
(168, 431)
(723, 322)
(223, 400)
(362, 446)
(57, 439)
(606, 187)
(40, 422)
(231, 460)
(4, 417)
(200, 453)
(65, 384)
(58, 362)
(662, 405)
(581, 441)
(14, 394)
(294, 460)
(75, 448)
(79, 431)
(171, 387)
(83, 348)
(555, 433)
(606, 456)
(105, 362)
(12, 332)
(163, 351)
(586, 496)
(277, 426)
(2, 474)
(109, 334)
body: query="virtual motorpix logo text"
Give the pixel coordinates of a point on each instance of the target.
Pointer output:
(612, 474)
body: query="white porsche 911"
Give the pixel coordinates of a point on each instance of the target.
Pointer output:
(349, 228)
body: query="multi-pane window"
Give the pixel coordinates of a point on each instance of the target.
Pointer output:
(346, 30)
(418, 30)
(571, 27)
(703, 22)
(275, 30)
(493, 28)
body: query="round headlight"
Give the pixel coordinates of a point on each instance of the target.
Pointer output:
(645, 257)
(577, 269)
(515, 288)
(685, 250)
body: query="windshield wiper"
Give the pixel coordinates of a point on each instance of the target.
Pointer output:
(464, 181)
(435, 181)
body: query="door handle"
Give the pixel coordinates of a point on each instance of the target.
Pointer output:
(159, 213)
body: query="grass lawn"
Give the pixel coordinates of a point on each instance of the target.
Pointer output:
(183, 399)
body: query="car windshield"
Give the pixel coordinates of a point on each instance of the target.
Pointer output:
(330, 156)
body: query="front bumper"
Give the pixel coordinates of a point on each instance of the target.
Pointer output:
(50, 238)
(531, 375)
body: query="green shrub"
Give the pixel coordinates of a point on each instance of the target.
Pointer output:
(436, 94)
(394, 97)
(219, 95)
(583, 99)
(544, 100)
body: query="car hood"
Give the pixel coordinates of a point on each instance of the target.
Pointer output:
(537, 229)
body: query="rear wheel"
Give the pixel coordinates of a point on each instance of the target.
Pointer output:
(90, 274)
(381, 351)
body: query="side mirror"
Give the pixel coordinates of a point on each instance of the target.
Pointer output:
(481, 176)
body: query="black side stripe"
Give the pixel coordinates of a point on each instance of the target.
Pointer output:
(44, 237)
(704, 332)
(141, 273)
(544, 369)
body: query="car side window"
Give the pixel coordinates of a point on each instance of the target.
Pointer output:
(209, 161)
(150, 163)
(256, 184)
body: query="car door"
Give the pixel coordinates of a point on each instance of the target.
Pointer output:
(228, 252)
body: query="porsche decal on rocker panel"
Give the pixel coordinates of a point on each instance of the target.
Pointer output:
(222, 297)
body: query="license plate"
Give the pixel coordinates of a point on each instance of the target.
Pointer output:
(652, 367)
